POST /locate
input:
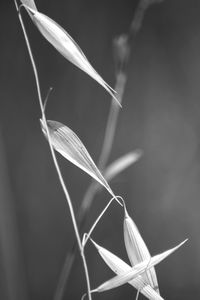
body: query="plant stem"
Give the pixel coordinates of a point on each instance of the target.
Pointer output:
(54, 156)
(98, 219)
(31, 57)
(121, 79)
(112, 121)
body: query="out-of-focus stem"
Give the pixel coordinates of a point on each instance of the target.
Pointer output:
(122, 47)
(112, 121)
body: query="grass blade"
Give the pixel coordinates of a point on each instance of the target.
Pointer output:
(118, 266)
(137, 250)
(65, 45)
(121, 164)
(68, 144)
(137, 270)
(30, 4)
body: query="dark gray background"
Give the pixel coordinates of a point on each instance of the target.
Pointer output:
(161, 115)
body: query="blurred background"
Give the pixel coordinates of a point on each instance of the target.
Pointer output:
(160, 115)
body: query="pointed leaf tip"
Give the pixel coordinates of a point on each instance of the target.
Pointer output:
(64, 44)
(137, 250)
(95, 244)
(118, 266)
(136, 270)
(68, 144)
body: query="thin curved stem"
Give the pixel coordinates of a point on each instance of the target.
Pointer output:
(31, 57)
(67, 196)
(98, 219)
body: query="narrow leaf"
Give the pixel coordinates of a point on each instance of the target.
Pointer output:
(137, 250)
(29, 4)
(137, 270)
(121, 164)
(120, 267)
(68, 144)
(65, 45)
(114, 168)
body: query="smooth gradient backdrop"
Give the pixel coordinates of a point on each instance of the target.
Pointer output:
(160, 115)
